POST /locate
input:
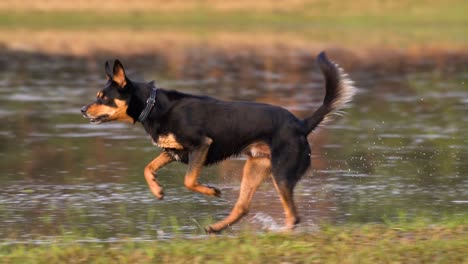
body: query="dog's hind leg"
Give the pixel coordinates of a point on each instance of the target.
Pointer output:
(285, 191)
(255, 171)
(289, 162)
(150, 173)
(196, 161)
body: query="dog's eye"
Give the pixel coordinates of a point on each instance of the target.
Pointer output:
(103, 99)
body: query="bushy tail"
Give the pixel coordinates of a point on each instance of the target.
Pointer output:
(339, 91)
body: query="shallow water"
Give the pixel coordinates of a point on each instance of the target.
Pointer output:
(400, 150)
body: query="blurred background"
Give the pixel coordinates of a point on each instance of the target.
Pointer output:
(84, 26)
(399, 153)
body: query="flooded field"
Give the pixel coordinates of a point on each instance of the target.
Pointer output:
(400, 151)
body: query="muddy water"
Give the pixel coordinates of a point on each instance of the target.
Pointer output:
(401, 149)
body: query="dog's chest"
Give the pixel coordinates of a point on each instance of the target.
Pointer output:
(167, 142)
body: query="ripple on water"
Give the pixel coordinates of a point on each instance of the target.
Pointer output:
(21, 97)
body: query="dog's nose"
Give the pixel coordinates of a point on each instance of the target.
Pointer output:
(84, 109)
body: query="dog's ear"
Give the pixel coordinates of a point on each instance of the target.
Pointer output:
(108, 71)
(119, 74)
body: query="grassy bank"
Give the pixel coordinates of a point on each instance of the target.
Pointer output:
(397, 24)
(407, 243)
(403, 28)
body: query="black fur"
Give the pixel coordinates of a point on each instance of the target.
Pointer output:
(231, 125)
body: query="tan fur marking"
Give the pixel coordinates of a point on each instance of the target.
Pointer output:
(255, 171)
(196, 160)
(287, 200)
(121, 112)
(150, 173)
(118, 113)
(119, 77)
(258, 150)
(168, 141)
(96, 110)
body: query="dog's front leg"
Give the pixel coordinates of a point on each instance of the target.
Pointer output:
(150, 173)
(197, 159)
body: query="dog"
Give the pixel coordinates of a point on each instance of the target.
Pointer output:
(201, 130)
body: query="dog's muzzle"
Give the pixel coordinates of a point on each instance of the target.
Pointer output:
(93, 120)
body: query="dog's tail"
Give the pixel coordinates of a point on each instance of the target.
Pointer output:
(339, 91)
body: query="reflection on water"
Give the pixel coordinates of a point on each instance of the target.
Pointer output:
(401, 149)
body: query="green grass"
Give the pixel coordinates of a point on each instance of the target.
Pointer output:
(427, 21)
(402, 242)
(211, 20)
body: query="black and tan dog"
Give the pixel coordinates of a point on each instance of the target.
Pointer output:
(200, 130)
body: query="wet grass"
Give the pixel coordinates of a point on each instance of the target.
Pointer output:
(416, 241)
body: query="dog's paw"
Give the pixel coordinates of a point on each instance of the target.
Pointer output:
(159, 195)
(211, 230)
(213, 191)
(217, 192)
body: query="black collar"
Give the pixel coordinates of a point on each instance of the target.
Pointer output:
(149, 106)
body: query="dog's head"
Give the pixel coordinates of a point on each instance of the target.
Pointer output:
(111, 102)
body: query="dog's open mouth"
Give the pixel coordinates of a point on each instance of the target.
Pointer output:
(99, 119)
